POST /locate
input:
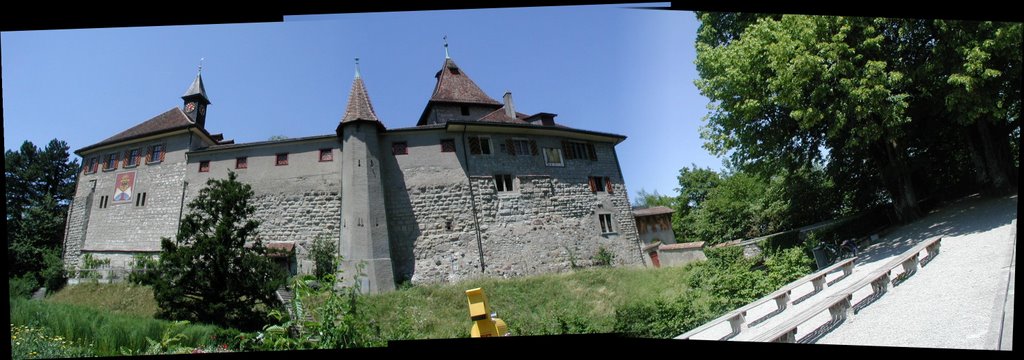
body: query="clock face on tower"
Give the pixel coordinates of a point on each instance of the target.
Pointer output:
(190, 107)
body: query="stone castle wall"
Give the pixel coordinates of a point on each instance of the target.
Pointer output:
(547, 223)
(120, 230)
(295, 202)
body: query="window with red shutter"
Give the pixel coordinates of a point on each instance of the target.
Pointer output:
(608, 184)
(593, 187)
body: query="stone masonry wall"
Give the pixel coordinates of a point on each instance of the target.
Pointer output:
(74, 237)
(120, 230)
(295, 202)
(547, 223)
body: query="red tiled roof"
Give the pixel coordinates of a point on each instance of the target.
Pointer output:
(454, 85)
(359, 107)
(657, 210)
(682, 246)
(280, 249)
(170, 120)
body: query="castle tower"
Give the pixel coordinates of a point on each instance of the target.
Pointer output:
(364, 227)
(196, 101)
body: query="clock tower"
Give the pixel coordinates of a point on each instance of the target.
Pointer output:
(196, 101)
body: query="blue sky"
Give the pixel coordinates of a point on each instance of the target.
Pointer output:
(605, 68)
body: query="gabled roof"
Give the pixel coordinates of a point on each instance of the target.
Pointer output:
(454, 85)
(172, 119)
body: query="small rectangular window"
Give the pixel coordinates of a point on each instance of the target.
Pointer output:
(204, 166)
(156, 154)
(579, 150)
(479, 145)
(485, 146)
(399, 148)
(503, 182)
(553, 157)
(111, 162)
(133, 158)
(242, 163)
(521, 147)
(326, 155)
(93, 164)
(464, 110)
(597, 184)
(282, 159)
(606, 223)
(447, 145)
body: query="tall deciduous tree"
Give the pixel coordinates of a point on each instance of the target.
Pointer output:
(212, 273)
(909, 106)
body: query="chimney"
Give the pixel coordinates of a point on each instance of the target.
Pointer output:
(510, 109)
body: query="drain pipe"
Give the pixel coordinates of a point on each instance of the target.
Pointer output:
(472, 200)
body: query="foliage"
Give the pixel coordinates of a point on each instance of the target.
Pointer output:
(54, 274)
(39, 188)
(787, 265)
(323, 251)
(905, 108)
(663, 319)
(211, 273)
(31, 342)
(604, 257)
(144, 270)
(644, 199)
(21, 286)
(106, 333)
(327, 316)
(90, 268)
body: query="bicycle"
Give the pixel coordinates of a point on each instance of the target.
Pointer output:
(835, 251)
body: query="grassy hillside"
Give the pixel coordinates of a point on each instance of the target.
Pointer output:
(579, 302)
(124, 299)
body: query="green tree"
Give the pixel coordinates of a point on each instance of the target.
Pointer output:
(645, 199)
(324, 254)
(790, 87)
(39, 187)
(212, 273)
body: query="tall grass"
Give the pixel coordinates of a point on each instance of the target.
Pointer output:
(105, 333)
(579, 302)
(123, 298)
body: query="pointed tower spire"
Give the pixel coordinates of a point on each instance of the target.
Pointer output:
(359, 107)
(195, 99)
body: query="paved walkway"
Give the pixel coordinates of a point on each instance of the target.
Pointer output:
(963, 299)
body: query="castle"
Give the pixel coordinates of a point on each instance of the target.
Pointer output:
(474, 188)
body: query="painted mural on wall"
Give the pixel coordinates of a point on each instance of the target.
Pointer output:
(125, 183)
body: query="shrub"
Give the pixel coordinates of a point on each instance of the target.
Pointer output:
(21, 286)
(604, 257)
(323, 252)
(54, 275)
(144, 270)
(664, 319)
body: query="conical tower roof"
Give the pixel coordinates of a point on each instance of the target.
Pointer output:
(454, 85)
(197, 89)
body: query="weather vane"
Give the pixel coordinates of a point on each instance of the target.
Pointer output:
(201, 65)
(446, 47)
(357, 67)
